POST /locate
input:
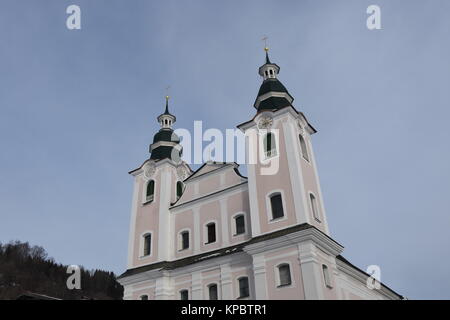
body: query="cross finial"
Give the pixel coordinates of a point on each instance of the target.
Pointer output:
(265, 43)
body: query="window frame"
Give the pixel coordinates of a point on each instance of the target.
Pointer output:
(183, 290)
(179, 182)
(326, 276)
(206, 233)
(234, 224)
(213, 284)
(269, 206)
(304, 148)
(142, 244)
(273, 152)
(314, 207)
(180, 239)
(240, 296)
(278, 274)
(146, 198)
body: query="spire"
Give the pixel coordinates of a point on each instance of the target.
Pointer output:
(166, 119)
(266, 49)
(268, 70)
(167, 105)
(272, 94)
(166, 144)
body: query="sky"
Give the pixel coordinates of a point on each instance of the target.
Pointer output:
(78, 110)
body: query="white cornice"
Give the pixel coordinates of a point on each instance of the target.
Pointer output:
(311, 234)
(197, 266)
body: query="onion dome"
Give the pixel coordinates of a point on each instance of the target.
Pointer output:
(166, 144)
(272, 94)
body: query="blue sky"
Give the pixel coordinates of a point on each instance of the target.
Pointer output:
(78, 109)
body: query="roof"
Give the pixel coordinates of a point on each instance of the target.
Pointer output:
(271, 84)
(213, 165)
(35, 296)
(163, 152)
(166, 134)
(273, 103)
(341, 258)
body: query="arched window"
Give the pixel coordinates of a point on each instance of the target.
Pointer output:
(314, 208)
(184, 240)
(243, 287)
(240, 224)
(270, 148)
(184, 294)
(276, 204)
(179, 189)
(284, 273)
(211, 232)
(144, 297)
(303, 147)
(212, 290)
(326, 276)
(150, 191)
(147, 244)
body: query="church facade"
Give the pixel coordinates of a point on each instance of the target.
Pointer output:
(215, 234)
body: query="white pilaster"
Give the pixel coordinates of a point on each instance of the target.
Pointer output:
(296, 176)
(197, 230)
(253, 199)
(197, 290)
(224, 221)
(259, 271)
(132, 235)
(226, 282)
(163, 289)
(311, 271)
(164, 232)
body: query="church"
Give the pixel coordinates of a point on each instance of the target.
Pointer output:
(215, 234)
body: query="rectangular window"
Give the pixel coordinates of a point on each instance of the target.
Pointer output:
(211, 232)
(314, 207)
(285, 275)
(277, 206)
(326, 276)
(147, 244)
(240, 224)
(213, 292)
(184, 240)
(184, 295)
(243, 288)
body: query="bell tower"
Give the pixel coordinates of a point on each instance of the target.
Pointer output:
(284, 187)
(156, 184)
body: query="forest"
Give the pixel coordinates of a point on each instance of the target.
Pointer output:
(25, 268)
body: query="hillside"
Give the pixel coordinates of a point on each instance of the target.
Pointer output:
(25, 268)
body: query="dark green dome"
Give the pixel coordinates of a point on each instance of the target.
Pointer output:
(166, 135)
(271, 85)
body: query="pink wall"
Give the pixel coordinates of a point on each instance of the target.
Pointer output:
(147, 218)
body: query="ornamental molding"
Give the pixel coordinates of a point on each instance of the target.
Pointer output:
(149, 170)
(182, 173)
